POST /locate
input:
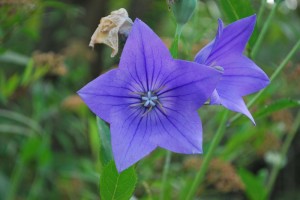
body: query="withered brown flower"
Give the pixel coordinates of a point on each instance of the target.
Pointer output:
(109, 28)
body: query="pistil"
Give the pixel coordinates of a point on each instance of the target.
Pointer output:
(149, 99)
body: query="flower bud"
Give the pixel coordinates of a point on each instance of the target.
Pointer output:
(182, 9)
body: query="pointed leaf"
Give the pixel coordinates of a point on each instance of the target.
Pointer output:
(14, 57)
(27, 75)
(276, 106)
(12, 84)
(254, 185)
(115, 186)
(105, 142)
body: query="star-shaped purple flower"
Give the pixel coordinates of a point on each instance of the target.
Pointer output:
(241, 75)
(151, 100)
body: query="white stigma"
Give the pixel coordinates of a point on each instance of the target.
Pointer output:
(149, 99)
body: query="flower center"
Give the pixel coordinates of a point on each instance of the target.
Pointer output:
(149, 99)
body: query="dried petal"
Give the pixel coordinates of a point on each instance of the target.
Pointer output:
(110, 26)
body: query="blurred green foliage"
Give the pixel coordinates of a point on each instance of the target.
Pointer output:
(49, 140)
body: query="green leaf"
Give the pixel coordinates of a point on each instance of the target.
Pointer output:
(26, 78)
(29, 149)
(237, 142)
(105, 142)
(276, 106)
(115, 186)
(237, 9)
(39, 72)
(95, 141)
(15, 129)
(14, 57)
(3, 97)
(12, 84)
(255, 189)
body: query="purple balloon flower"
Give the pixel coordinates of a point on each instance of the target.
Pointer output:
(241, 75)
(151, 100)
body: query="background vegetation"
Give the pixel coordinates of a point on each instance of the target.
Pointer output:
(49, 140)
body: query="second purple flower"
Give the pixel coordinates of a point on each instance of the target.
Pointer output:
(241, 75)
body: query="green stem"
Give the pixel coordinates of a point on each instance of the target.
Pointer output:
(165, 175)
(178, 30)
(284, 150)
(36, 186)
(174, 46)
(15, 181)
(174, 53)
(286, 60)
(273, 76)
(233, 10)
(208, 156)
(261, 11)
(263, 31)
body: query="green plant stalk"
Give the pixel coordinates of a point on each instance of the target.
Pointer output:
(15, 181)
(174, 53)
(165, 175)
(207, 158)
(273, 76)
(261, 11)
(233, 10)
(284, 150)
(174, 45)
(95, 144)
(263, 31)
(36, 186)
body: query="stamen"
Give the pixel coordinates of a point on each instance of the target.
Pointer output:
(139, 93)
(159, 89)
(150, 108)
(136, 104)
(219, 68)
(162, 108)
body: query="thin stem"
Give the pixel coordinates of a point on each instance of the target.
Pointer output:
(178, 30)
(284, 150)
(261, 11)
(36, 186)
(15, 181)
(233, 10)
(286, 60)
(263, 31)
(207, 158)
(174, 46)
(165, 175)
(174, 53)
(273, 76)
